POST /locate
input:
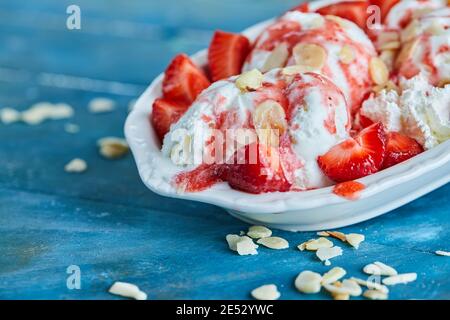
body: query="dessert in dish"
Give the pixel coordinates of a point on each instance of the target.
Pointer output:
(317, 99)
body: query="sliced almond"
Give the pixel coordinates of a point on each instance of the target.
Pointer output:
(340, 296)
(293, 70)
(266, 292)
(400, 279)
(276, 243)
(127, 290)
(393, 45)
(333, 275)
(314, 245)
(242, 245)
(112, 147)
(388, 57)
(346, 55)
(277, 59)
(337, 235)
(325, 254)
(349, 287)
(375, 295)
(443, 82)
(380, 269)
(308, 282)
(323, 234)
(341, 22)
(250, 80)
(406, 53)
(270, 122)
(258, 232)
(410, 32)
(354, 239)
(310, 55)
(378, 71)
(443, 253)
(371, 285)
(76, 166)
(387, 36)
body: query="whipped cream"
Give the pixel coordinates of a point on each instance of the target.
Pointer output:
(421, 111)
(311, 138)
(426, 47)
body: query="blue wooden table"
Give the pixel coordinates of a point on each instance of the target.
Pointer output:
(105, 221)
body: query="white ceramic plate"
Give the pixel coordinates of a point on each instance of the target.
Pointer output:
(294, 211)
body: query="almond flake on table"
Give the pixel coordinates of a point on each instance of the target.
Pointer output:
(354, 239)
(101, 105)
(443, 253)
(315, 244)
(333, 275)
(334, 234)
(42, 111)
(266, 292)
(380, 269)
(76, 166)
(112, 147)
(325, 254)
(348, 286)
(258, 232)
(9, 115)
(276, 243)
(127, 290)
(308, 282)
(71, 128)
(242, 245)
(340, 296)
(400, 279)
(371, 285)
(375, 295)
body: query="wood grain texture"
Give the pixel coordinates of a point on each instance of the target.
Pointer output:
(105, 220)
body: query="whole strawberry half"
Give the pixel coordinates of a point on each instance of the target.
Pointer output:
(226, 54)
(183, 80)
(355, 11)
(356, 157)
(165, 112)
(257, 169)
(400, 148)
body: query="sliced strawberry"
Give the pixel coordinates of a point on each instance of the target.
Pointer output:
(201, 178)
(257, 170)
(385, 6)
(355, 11)
(165, 112)
(304, 7)
(349, 190)
(226, 55)
(183, 80)
(356, 157)
(400, 148)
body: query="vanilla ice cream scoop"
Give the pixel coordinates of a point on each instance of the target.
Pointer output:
(329, 45)
(426, 48)
(319, 119)
(307, 109)
(421, 111)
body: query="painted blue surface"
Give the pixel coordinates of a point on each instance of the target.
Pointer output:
(105, 220)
